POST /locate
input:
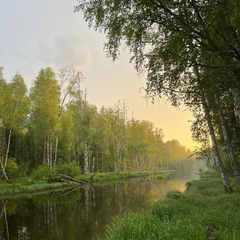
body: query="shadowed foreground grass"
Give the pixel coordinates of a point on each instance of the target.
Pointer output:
(204, 211)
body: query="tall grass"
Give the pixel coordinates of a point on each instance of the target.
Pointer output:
(204, 211)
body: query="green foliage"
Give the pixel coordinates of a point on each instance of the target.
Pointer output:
(190, 51)
(107, 139)
(42, 172)
(71, 169)
(12, 168)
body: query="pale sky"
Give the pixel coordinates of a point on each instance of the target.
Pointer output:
(42, 33)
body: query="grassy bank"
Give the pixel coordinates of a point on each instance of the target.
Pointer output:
(28, 185)
(23, 186)
(109, 177)
(204, 211)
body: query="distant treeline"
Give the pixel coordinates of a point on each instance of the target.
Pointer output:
(53, 124)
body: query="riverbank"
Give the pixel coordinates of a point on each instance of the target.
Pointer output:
(28, 185)
(203, 211)
(99, 178)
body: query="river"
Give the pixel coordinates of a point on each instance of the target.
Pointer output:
(81, 213)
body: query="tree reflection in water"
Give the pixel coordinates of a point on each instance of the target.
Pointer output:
(83, 213)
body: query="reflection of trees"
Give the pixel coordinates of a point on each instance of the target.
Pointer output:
(87, 199)
(51, 218)
(80, 214)
(4, 220)
(119, 197)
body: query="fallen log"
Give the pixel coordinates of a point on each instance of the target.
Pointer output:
(67, 181)
(72, 179)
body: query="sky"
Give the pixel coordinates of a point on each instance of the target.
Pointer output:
(47, 33)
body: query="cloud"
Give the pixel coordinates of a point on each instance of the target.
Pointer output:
(64, 50)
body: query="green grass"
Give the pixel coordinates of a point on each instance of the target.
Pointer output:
(204, 211)
(25, 186)
(106, 177)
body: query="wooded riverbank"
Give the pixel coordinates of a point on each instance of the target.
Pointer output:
(203, 211)
(28, 185)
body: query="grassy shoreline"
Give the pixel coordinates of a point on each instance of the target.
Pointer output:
(203, 211)
(29, 186)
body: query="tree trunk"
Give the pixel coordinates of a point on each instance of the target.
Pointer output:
(7, 152)
(236, 99)
(219, 162)
(86, 167)
(48, 160)
(93, 165)
(233, 161)
(3, 171)
(55, 155)
(45, 152)
(51, 154)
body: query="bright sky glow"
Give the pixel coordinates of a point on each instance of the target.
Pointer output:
(38, 34)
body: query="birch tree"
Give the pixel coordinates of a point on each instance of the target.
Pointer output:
(3, 87)
(16, 109)
(68, 77)
(44, 116)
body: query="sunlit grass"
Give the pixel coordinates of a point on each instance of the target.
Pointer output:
(204, 211)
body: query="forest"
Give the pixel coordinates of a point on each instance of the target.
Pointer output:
(190, 51)
(52, 126)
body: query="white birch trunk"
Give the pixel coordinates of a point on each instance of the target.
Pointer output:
(55, 155)
(219, 162)
(233, 161)
(3, 171)
(50, 154)
(47, 151)
(8, 146)
(86, 167)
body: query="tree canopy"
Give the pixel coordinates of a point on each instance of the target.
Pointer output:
(191, 52)
(40, 130)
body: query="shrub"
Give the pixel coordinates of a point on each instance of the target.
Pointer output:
(15, 171)
(42, 172)
(11, 167)
(71, 169)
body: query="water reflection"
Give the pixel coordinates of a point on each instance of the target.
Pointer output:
(80, 214)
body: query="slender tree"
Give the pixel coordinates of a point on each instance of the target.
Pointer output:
(44, 116)
(68, 78)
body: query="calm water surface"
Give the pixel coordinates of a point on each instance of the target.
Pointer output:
(82, 213)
